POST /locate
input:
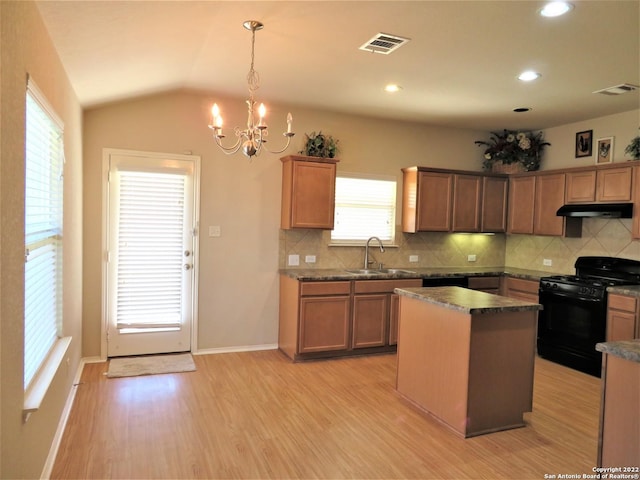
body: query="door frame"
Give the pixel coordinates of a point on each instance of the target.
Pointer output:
(106, 156)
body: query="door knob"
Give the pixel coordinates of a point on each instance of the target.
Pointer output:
(187, 253)
(187, 266)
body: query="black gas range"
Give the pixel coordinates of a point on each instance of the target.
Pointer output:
(574, 315)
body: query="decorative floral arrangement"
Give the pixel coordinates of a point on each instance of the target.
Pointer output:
(320, 145)
(633, 148)
(512, 146)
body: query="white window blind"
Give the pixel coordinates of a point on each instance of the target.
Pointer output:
(365, 207)
(44, 164)
(150, 250)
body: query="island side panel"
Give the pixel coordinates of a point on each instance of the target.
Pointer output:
(288, 316)
(502, 359)
(433, 360)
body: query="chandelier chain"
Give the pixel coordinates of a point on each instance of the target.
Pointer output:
(253, 78)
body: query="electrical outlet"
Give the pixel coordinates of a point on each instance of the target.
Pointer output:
(547, 262)
(414, 258)
(471, 258)
(310, 259)
(294, 260)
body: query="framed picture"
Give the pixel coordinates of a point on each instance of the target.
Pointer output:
(584, 142)
(604, 150)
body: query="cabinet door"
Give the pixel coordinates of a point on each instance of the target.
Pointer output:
(549, 198)
(308, 194)
(433, 210)
(581, 187)
(494, 204)
(521, 289)
(324, 324)
(467, 203)
(614, 185)
(370, 313)
(394, 315)
(521, 204)
(622, 318)
(485, 284)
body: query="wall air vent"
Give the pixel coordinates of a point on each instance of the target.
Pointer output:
(618, 89)
(384, 43)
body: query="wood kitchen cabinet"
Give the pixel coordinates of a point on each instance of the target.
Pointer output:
(494, 204)
(436, 200)
(320, 319)
(467, 203)
(485, 284)
(533, 203)
(549, 197)
(623, 318)
(308, 192)
(606, 185)
(375, 311)
(521, 288)
(522, 192)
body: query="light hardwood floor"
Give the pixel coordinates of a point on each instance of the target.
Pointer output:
(257, 415)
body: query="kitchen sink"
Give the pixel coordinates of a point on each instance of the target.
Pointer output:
(373, 271)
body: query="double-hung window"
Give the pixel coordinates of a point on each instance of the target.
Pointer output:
(365, 207)
(44, 163)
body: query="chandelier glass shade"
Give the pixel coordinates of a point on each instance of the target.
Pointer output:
(253, 138)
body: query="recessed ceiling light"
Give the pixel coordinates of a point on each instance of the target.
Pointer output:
(528, 76)
(392, 88)
(522, 109)
(555, 9)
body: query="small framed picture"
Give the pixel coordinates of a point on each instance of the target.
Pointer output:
(584, 142)
(604, 150)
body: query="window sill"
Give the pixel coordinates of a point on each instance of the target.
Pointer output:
(34, 395)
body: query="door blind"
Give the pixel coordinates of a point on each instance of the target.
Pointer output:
(150, 252)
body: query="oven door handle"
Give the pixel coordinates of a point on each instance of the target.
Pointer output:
(570, 297)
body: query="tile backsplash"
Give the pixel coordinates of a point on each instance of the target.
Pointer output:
(599, 237)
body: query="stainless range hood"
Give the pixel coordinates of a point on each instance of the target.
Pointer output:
(604, 210)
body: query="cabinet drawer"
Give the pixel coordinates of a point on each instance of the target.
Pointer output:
(622, 302)
(325, 288)
(385, 286)
(480, 283)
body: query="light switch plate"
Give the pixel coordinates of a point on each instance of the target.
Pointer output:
(471, 258)
(310, 259)
(414, 258)
(214, 230)
(547, 262)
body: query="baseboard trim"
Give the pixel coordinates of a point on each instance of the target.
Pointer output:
(62, 424)
(244, 348)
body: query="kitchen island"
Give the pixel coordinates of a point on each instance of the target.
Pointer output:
(467, 357)
(619, 436)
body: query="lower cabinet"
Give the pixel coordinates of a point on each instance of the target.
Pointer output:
(485, 284)
(320, 319)
(521, 289)
(623, 318)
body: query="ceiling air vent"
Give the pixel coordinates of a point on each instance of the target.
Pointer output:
(384, 43)
(618, 89)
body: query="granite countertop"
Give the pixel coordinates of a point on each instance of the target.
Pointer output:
(320, 274)
(627, 349)
(630, 290)
(467, 301)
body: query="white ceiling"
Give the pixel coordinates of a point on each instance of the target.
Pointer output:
(459, 69)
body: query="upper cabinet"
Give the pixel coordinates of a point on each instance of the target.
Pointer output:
(607, 185)
(635, 232)
(534, 200)
(308, 192)
(437, 200)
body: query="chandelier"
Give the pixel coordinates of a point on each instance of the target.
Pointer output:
(253, 138)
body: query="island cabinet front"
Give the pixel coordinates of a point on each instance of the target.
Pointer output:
(471, 371)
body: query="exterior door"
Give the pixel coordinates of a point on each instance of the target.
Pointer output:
(151, 245)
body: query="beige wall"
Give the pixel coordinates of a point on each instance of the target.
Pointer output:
(26, 47)
(238, 304)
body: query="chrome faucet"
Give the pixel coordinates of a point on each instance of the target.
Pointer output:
(366, 251)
